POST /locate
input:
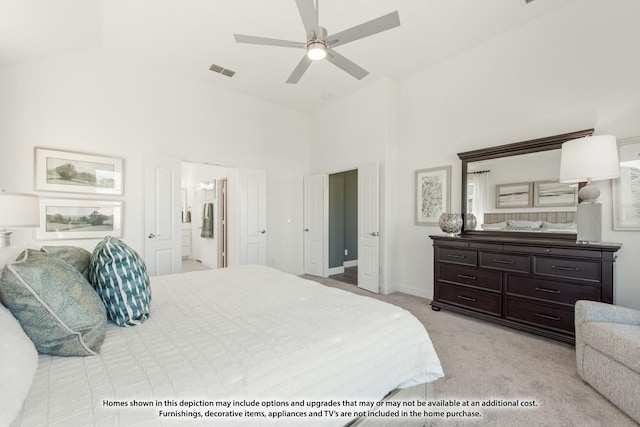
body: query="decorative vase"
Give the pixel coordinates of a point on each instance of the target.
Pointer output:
(450, 223)
(470, 221)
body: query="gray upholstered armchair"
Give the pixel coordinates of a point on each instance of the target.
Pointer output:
(608, 352)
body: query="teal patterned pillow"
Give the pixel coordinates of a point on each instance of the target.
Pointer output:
(55, 305)
(120, 276)
(77, 257)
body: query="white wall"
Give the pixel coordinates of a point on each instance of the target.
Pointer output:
(575, 69)
(95, 103)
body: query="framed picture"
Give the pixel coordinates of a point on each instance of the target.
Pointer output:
(433, 194)
(70, 172)
(554, 193)
(79, 219)
(626, 189)
(514, 195)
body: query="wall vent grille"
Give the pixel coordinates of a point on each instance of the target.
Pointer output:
(221, 70)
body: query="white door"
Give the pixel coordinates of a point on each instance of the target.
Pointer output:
(368, 228)
(163, 225)
(315, 206)
(253, 216)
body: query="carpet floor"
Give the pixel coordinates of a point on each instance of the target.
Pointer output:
(484, 362)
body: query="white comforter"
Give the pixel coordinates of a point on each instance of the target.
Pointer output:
(247, 332)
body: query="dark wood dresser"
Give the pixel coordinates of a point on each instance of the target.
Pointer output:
(527, 284)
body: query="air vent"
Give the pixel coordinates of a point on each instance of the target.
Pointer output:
(221, 70)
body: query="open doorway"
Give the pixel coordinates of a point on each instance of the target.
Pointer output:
(207, 232)
(343, 226)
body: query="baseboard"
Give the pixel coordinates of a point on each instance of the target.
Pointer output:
(352, 263)
(418, 291)
(336, 270)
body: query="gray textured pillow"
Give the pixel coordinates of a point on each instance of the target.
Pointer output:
(55, 305)
(77, 257)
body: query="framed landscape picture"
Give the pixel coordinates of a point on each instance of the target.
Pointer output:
(513, 195)
(79, 219)
(554, 193)
(626, 189)
(71, 172)
(433, 194)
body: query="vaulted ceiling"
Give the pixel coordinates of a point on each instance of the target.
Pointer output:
(188, 36)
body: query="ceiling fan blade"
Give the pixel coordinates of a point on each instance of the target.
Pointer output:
(240, 38)
(369, 28)
(309, 17)
(299, 70)
(341, 62)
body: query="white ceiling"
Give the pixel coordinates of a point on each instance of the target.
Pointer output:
(187, 36)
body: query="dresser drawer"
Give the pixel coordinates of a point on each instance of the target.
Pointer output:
(549, 290)
(458, 256)
(552, 317)
(583, 270)
(490, 280)
(462, 244)
(485, 302)
(505, 262)
(578, 253)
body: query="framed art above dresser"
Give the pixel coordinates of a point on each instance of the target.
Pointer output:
(523, 268)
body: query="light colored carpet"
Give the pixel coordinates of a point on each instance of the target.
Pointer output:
(483, 361)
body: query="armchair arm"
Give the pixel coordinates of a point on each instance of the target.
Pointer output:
(592, 311)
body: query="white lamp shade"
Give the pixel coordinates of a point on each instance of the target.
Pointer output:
(19, 210)
(592, 158)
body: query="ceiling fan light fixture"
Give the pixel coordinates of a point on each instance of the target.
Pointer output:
(316, 50)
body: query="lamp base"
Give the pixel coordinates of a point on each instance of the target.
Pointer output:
(589, 219)
(589, 193)
(5, 238)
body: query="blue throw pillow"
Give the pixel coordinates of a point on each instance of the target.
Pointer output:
(120, 277)
(55, 305)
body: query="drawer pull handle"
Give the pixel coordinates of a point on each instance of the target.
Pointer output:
(504, 261)
(562, 267)
(546, 316)
(456, 256)
(464, 276)
(551, 291)
(466, 298)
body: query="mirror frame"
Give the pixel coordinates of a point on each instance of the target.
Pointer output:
(524, 147)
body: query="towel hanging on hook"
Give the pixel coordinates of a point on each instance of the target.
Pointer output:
(207, 220)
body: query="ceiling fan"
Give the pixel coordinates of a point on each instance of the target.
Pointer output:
(320, 46)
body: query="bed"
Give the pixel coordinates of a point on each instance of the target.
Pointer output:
(250, 337)
(543, 222)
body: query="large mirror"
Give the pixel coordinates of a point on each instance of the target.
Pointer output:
(514, 189)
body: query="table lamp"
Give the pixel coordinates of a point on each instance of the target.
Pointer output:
(592, 158)
(17, 211)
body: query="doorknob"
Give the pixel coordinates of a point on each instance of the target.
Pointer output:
(306, 229)
(263, 231)
(151, 235)
(374, 234)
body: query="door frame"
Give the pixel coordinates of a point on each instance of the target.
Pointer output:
(326, 213)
